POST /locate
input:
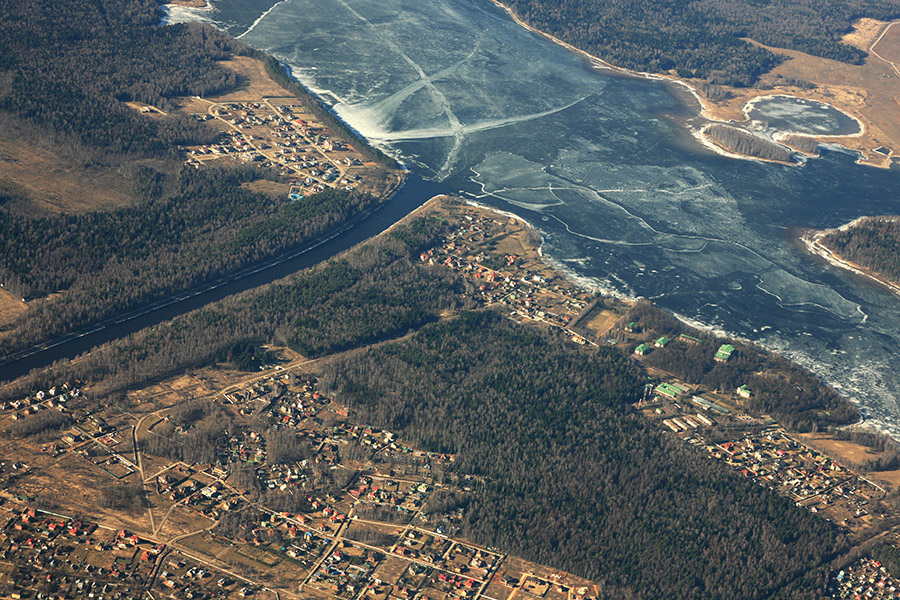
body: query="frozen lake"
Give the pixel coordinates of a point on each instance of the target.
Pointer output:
(800, 115)
(606, 167)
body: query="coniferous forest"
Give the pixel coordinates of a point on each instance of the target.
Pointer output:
(572, 477)
(873, 243)
(702, 38)
(66, 70)
(108, 262)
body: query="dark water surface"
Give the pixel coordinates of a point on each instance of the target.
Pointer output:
(414, 192)
(606, 167)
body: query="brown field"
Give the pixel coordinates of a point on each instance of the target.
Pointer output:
(888, 46)
(868, 92)
(865, 32)
(892, 478)
(255, 82)
(841, 450)
(850, 453)
(601, 322)
(51, 180)
(11, 308)
(190, 3)
(271, 188)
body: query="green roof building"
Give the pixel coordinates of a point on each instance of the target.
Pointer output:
(724, 352)
(642, 350)
(662, 342)
(669, 390)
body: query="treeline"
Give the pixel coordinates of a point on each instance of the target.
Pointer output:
(873, 243)
(244, 355)
(876, 442)
(743, 142)
(802, 143)
(44, 424)
(189, 229)
(702, 38)
(889, 557)
(573, 478)
(792, 395)
(373, 293)
(69, 66)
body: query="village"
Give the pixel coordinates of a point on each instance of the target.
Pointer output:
(221, 484)
(276, 136)
(867, 578)
(263, 125)
(244, 523)
(482, 249)
(279, 134)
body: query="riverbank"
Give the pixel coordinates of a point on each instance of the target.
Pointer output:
(861, 95)
(496, 236)
(812, 240)
(409, 197)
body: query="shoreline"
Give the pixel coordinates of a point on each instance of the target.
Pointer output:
(707, 109)
(812, 240)
(710, 111)
(439, 202)
(195, 4)
(707, 142)
(751, 104)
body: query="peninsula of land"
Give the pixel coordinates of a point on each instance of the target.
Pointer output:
(854, 67)
(868, 246)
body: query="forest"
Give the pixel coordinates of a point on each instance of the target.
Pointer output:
(69, 66)
(743, 142)
(796, 398)
(370, 294)
(188, 229)
(703, 38)
(574, 478)
(873, 243)
(66, 70)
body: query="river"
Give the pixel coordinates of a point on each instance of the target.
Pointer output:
(606, 167)
(414, 193)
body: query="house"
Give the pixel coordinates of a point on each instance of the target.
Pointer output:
(631, 327)
(743, 392)
(724, 353)
(642, 350)
(662, 342)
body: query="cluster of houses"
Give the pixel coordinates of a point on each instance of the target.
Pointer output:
(510, 281)
(347, 570)
(867, 579)
(55, 397)
(56, 557)
(281, 138)
(809, 478)
(443, 567)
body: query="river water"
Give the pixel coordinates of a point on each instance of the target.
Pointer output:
(606, 167)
